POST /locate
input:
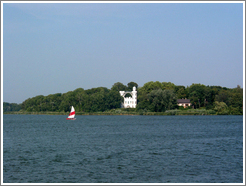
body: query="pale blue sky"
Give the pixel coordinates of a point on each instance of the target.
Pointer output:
(56, 48)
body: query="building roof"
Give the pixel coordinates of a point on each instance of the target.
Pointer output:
(183, 101)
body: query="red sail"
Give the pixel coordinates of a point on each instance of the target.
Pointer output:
(72, 113)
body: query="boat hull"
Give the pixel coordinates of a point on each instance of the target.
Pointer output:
(71, 118)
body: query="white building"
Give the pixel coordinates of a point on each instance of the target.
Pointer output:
(184, 102)
(129, 102)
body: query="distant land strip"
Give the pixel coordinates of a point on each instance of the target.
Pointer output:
(154, 98)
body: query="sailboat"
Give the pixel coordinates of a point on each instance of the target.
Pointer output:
(72, 114)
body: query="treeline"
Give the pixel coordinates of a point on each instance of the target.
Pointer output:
(152, 97)
(8, 107)
(92, 100)
(159, 97)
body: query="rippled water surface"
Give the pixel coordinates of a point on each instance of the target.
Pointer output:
(122, 149)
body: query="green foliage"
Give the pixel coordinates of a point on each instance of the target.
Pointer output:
(197, 95)
(168, 85)
(7, 107)
(233, 98)
(131, 85)
(159, 100)
(153, 98)
(221, 108)
(119, 87)
(148, 87)
(91, 100)
(181, 92)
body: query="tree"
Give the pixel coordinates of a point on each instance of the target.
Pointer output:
(142, 99)
(131, 85)
(221, 107)
(153, 96)
(79, 96)
(113, 100)
(181, 92)
(162, 100)
(119, 87)
(223, 96)
(68, 100)
(168, 85)
(236, 100)
(56, 101)
(197, 95)
(11, 107)
(209, 95)
(148, 87)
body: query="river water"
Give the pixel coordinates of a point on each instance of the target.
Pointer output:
(122, 149)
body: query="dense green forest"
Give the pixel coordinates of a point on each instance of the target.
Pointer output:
(152, 97)
(7, 107)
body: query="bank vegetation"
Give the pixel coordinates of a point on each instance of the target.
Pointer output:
(154, 98)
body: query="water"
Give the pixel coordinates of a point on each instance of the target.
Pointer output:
(122, 149)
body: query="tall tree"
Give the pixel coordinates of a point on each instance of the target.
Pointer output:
(119, 87)
(197, 95)
(168, 85)
(181, 92)
(149, 86)
(162, 100)
(131, 85)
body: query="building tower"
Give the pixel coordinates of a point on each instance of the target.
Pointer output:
(129, 102)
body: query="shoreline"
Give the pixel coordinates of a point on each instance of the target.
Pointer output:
(167, 113)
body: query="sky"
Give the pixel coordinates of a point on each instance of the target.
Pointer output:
(53, 48)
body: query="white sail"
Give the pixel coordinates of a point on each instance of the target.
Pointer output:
(72, 113)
